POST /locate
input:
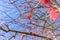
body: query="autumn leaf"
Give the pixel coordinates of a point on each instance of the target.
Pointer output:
(29, 17)
(44, 31)
(53, 14)
(49, 32)
(30, 14)
(44, 1)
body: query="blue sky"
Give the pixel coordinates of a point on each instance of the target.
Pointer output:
(9, 9)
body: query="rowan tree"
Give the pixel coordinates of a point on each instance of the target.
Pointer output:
(29, 20)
